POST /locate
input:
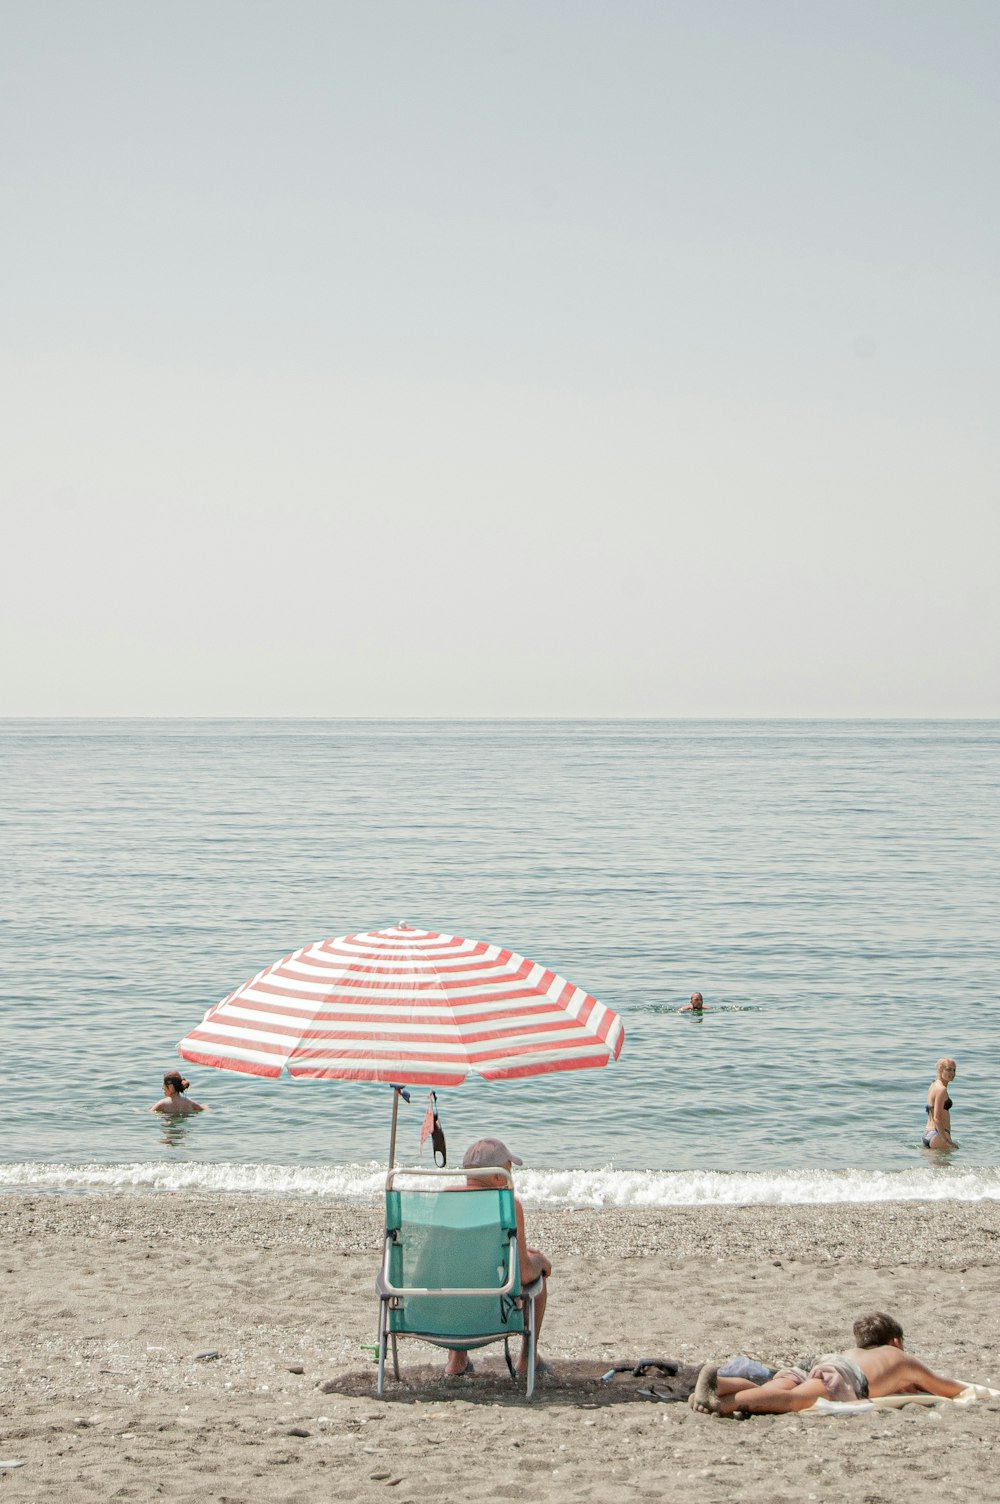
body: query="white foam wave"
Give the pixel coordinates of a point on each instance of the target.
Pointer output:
(651, 1188)
(335, 1182)
(540, 1188)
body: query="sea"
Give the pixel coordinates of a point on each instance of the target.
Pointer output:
(831, 887)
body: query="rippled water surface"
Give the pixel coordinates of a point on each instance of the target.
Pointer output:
(831, 887)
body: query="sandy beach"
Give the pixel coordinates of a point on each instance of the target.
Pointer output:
(107, 1301)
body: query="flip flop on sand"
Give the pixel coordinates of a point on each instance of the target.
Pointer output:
(466, 1373)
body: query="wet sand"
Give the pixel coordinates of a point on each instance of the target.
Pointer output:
(107, 1301)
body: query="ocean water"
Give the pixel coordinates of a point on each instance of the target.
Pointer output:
(832, 888)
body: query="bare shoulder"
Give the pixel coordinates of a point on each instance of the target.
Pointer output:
(875, 1361)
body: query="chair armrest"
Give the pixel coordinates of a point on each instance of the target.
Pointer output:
(449, 1292)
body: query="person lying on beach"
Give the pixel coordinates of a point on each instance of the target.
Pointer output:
(173, 1102)
(696, 1005)
(937, 1133)
(488, 1153)
(876, 1366)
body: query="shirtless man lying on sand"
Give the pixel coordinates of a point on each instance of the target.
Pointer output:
(878, 1365)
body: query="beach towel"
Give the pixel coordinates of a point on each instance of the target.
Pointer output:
(970, 1394)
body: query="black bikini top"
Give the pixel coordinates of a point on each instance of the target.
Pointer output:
(946, 1104)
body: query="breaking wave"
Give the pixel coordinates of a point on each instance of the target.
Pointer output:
(607, 1187)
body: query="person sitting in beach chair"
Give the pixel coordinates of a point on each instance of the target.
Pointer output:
(484, 1154)
(876, 1366)
(457, 1270)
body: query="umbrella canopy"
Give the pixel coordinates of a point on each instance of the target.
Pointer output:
(405, 1005)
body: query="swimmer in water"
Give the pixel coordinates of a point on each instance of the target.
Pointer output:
(937, 1134)
(696, 1005)
(174, 1103)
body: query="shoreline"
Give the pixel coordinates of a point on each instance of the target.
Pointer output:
(944, 1234)
(107, 1300)
(604, 1188)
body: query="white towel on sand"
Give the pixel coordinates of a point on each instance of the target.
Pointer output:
(969, 1395)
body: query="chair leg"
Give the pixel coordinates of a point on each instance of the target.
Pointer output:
(530, 1324)
(382, 1322)
(395, 1358)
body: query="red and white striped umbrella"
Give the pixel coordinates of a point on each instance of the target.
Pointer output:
(405, 1005)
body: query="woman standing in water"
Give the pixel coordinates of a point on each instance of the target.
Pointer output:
(174, 1103)
(937, 1134)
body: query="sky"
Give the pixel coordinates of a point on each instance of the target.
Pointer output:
(489, 358)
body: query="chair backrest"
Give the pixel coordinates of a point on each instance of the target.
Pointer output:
(453, 1241)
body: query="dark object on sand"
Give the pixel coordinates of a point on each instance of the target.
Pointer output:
(666, 1366)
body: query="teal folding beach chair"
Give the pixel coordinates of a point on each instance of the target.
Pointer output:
(450, 1271)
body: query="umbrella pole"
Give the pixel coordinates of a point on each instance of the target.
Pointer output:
(397, 1092)
(392, 1130)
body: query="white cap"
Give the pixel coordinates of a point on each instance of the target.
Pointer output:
(489, 1153)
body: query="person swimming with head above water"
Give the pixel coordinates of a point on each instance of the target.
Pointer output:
(174, 1103)
(937, 1133)
(696, 1005)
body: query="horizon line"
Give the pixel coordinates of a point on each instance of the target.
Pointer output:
(515, 719)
